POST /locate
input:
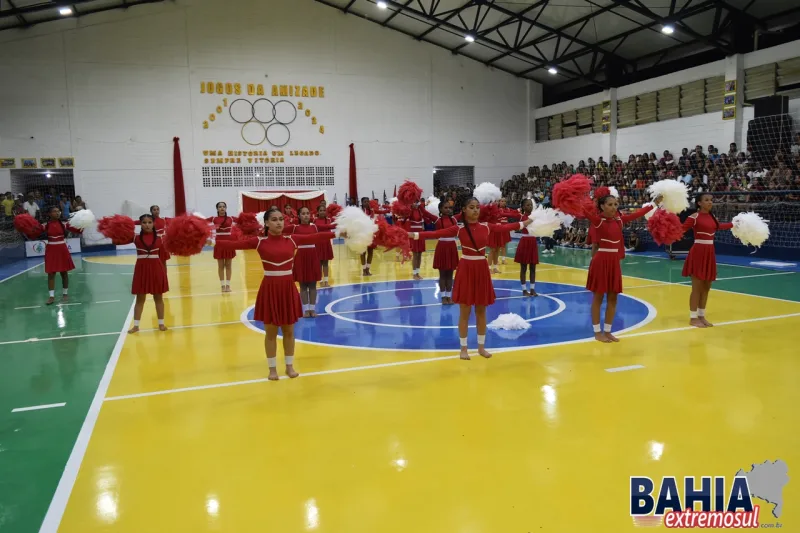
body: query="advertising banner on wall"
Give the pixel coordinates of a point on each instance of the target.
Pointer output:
(36, 248)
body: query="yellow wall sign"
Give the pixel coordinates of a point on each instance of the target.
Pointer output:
(239, 157)
(253, 89)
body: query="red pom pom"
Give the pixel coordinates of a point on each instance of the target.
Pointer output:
(119, 228)
(390, 237)
(237, 234)
(600, 192)
(248, 224)
(186, 235)
(28, 226)
(569, 195)
(332, 210)
(489, 213)
(401, 210)
(665, 227)
(374, 205)
(409, 192)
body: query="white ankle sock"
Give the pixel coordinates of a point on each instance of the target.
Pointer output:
(52, 294)
(481, 340)
(607, 328)
(272, 362)
(463, 341)
(325, 279)
(160, 321)
(700, 312)
(136, 323)
(367, 266)
(596, 328)
(288, 359)
(692, 314)
(524, 288)
(222, 284)
(416, 271)
(64, 291)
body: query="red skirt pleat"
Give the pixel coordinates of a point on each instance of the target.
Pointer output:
(605, 274)
(325, 251)
(307, 268)
(224, 254)
(446, 255)
(473, 283)
(701, 262)
(278, 302)
(57, 259)
(418, 245)
(527, 251)
(149, 277)
(505, 238)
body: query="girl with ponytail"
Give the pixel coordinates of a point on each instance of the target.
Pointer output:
(445, 258)
(223, 225)
(149, 274)
(473, 283)
(160, 227)
(527, 253)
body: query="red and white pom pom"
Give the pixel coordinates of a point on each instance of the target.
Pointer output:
(119, 228)
(545, 223)
(750, 228)
(401, 210)
(487, 193)
(358, 226)
(28, 226)
(570, 195)
(665, 227)
(83, 219)
(332, 210)
(409, 192)
(186, 235)
(566, 220)
(260, 217)
(674, 195)
(489, 213)
(651, 212)
(613, 192)
(249, 224)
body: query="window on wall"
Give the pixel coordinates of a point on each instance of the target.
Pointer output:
(569, 124)
(267, 176)
(771, 79)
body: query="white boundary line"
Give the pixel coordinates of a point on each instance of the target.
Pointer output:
(66, 337)
(58, 504)
(21, 272)
(624, 368)
(426, 360)
(38, 407)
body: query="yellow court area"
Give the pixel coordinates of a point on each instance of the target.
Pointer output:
(192, 437)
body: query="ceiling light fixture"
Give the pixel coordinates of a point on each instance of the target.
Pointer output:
(552, 70)
(65, 11)
(469, 38)
(668, 30)
(383, 5)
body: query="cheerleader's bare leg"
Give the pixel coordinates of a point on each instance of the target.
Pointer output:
(698, 287)
(523, 269)
(304, 299)
(503, 252)
(312, 300)
(271, 347)
(449, 286)
(416, 261)
(221, 273)
(288, 350)
(611, 310)
(228, 269)
(701, 309)
(51, 286)
(463, 329)
(366, 262)
(64, 286)
(533, 280)
(597, 302)
(159, 301)
(137, 312)
(324, 274)
(480, 320)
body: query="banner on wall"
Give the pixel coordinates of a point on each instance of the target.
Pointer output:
(257, 201)
(36, 248)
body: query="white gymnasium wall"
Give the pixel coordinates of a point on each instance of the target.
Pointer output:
(112, 90)
(673, 135)
(570, 150)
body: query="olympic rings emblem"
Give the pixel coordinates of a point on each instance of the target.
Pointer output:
(264, 116)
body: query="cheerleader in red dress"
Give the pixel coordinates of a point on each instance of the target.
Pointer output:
(499, 241)
(290, 215)
(278, 303)
(366, 257)
(224, 256)
(416, 223)
(473, 284)
(160, 226)
(149, 274)
(325, 249)
(701, 263)
(527, 253)
(307, 267)
(445, 258)
(57, 259)
(605, 275)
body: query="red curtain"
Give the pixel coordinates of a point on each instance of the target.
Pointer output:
(353, 179)
(251, 205)
(180, 194)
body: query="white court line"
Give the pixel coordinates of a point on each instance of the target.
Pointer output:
(21, 272)
(624, 368)
(426, 360)
(756, 276)
(65, 337)
(650, 262)
(218, 293)
(627, 264)
(58, 504)
(29, 307)
(38, 407)
(107, 302)
(65, 305)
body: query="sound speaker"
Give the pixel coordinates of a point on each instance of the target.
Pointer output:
(771, 105)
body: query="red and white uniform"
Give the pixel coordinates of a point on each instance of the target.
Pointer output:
(56, 253)
(223, 227)
(527, 249)
(278, 302)
(605, 274)
(149, 274)
(325, 249)
(498, 240)
(473, 283)
(415, 223)
(446, 255)
(160, 225)
(374, 214)
(307, 268)
(702, 260)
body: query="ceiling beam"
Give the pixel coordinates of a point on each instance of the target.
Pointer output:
(37, 7)
(450, 15)
(393, 15)
(20, 18)
(130, 3)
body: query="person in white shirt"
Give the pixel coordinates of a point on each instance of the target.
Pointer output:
(31, 207)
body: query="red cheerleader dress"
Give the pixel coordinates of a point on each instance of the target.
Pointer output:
(278, 302)
(375, 214)
(498, 240)
(307, 268)
(473, 283)
(415, 224)
(149, 274)
(446, 255)
(605, 274)
(160, 225)
(56, 253)
(701, 262)
(325, 249)
(223, 226)
(527, 249)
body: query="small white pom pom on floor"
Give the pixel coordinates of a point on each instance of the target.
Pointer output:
(509, 322)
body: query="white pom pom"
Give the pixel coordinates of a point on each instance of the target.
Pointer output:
(359, 227)
(509, 322)
(433, 206)
(487, 192)
(674, 194)
(614, 192)
(83, 219)
(750, 228)
(545, 222)
(393, 200)
(199, 215)
(566, 220)
(649, 213)
(260, 217)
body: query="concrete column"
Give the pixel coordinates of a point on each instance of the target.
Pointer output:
(612, 132)
(734, 70)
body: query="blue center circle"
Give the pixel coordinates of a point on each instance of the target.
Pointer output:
(408, 315)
